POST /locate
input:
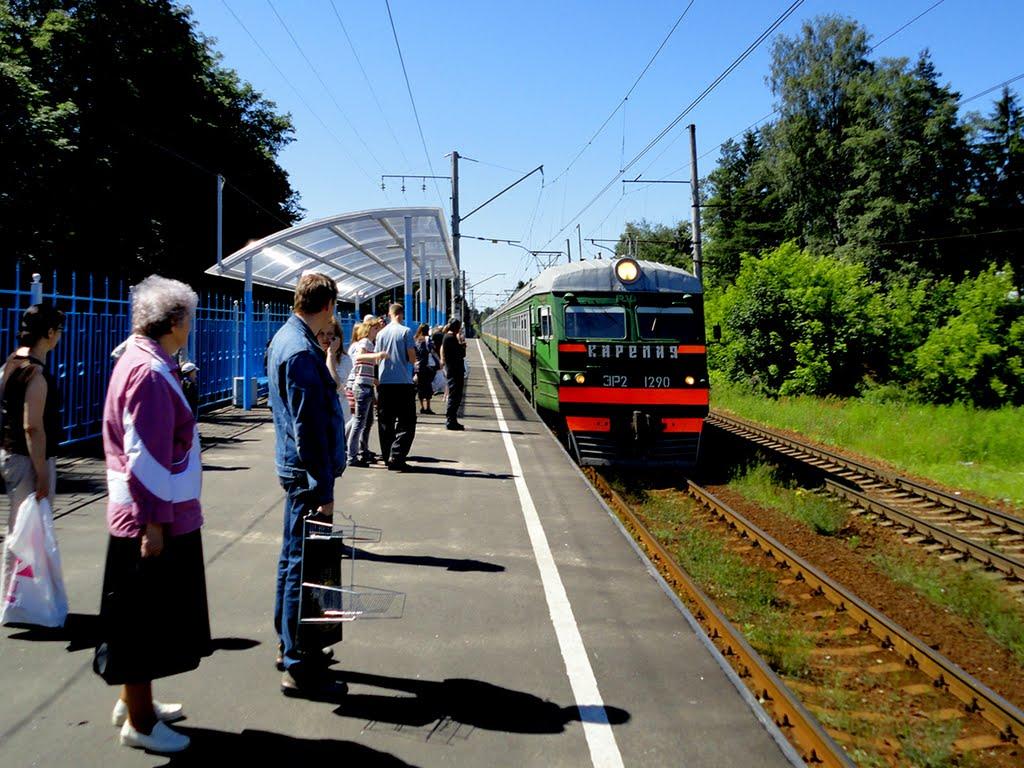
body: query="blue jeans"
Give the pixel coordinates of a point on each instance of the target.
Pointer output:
(362, 418)
(299, 503)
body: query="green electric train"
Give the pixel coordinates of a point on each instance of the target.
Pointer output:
(613, 355)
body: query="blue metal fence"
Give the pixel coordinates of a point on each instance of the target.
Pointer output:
(97, 319)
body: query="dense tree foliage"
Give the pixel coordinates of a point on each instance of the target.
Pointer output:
(656, 242)
(867, 239)
(116, 118)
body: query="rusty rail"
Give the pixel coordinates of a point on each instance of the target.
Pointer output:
(974, 694)
(803, 729)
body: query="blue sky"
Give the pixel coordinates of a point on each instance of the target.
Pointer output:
(517, 84)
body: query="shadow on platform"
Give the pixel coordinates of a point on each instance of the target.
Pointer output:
(252, 747)
(470, 702)
(452, 472)
(83, 631)
(452, 564)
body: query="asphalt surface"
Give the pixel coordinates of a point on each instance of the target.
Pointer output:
(487, 666)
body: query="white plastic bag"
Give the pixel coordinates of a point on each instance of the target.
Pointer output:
(35, 594)
(439, 382)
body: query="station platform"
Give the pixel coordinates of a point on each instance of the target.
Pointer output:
(533, 634)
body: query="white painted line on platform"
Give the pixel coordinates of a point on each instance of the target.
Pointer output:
(604, 750)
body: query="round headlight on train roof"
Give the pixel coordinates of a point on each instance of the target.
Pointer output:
(627, 270)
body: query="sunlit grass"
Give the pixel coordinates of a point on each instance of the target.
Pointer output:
(763, 484)
(964, 593)
(955, 445)
(750, 592)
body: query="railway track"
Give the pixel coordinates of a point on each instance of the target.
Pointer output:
(862, 640)
(952, 527)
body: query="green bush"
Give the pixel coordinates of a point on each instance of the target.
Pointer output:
(795, 323)
(977, 356)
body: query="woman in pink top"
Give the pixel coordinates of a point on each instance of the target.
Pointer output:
(154, 610)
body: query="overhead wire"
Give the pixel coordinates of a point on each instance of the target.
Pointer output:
(775, 111)
(369, 84)
(624, 98)
(298, 93)
(327, 90)
(415, 112)
(689, 108)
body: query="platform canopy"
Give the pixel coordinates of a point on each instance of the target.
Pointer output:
(364, 252)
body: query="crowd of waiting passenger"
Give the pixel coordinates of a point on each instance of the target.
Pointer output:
(325, 398)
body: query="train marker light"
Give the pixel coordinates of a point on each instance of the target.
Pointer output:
(566, 377)
(627, 270)
(689, 381)
(580, 378)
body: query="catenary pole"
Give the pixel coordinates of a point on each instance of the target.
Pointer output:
(408, 298)
(698, 261)
(423, 282)
(455, 231)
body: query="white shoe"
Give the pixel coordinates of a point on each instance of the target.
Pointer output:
(163, 739)
(166, 713)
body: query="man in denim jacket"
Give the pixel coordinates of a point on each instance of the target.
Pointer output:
(309, 454)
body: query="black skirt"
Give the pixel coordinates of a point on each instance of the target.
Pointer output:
(153, 614)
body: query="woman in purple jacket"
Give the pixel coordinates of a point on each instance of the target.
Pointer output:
(154, 609)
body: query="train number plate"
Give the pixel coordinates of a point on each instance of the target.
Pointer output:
(648, 382)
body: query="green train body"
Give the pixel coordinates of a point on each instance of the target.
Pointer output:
(619, 365)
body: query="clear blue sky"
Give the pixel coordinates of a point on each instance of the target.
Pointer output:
(528, 82)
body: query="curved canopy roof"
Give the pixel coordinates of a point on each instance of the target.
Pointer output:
(364, 252)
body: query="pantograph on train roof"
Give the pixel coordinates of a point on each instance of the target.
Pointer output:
(364, 252)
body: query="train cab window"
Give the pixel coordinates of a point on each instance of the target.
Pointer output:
(675, 323)
(603, 322)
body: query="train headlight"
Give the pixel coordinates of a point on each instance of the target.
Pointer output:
(627, 270)
(689, 381)
(580, 378)
(566, 377)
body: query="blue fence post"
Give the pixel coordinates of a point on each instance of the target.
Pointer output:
(236, 353)
(247, 339)
(36, 295)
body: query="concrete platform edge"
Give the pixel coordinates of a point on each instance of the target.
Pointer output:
(787, 749)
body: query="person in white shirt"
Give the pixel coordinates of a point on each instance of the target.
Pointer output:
(339, 364)
(361, 381)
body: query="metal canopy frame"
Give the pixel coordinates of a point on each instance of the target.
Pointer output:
(367, 253)
(364, 252)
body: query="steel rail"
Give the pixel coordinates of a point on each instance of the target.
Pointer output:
(975, 695)
(817, 747)
(935, 495)
(1008, 566)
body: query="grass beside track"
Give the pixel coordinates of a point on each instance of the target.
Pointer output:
(953, 445)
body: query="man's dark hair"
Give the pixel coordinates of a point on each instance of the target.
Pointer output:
(37, 322)
(396, 309)
(454, 325)
(313, 293)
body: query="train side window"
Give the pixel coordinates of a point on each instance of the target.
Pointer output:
(544, 321)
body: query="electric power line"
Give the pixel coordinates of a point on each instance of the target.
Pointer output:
(989, 90)
(369, 84)
(415, 112)
(298, 94)
(327, 90)
(714, 84)
(774, 112)
(624, 98)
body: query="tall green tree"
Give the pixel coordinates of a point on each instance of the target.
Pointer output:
(999, 183)
(657, 242)
(742, 213)
(148, 117)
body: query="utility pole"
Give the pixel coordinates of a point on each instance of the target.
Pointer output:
(456, 300)
(579, 240)
(698, 261)
(568, 251)
(462, 303)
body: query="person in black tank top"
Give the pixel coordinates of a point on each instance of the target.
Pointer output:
(30, 415)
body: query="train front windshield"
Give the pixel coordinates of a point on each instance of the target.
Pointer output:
(601, 322)
(676, 323)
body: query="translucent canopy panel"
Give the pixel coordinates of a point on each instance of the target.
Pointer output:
(364, 252)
